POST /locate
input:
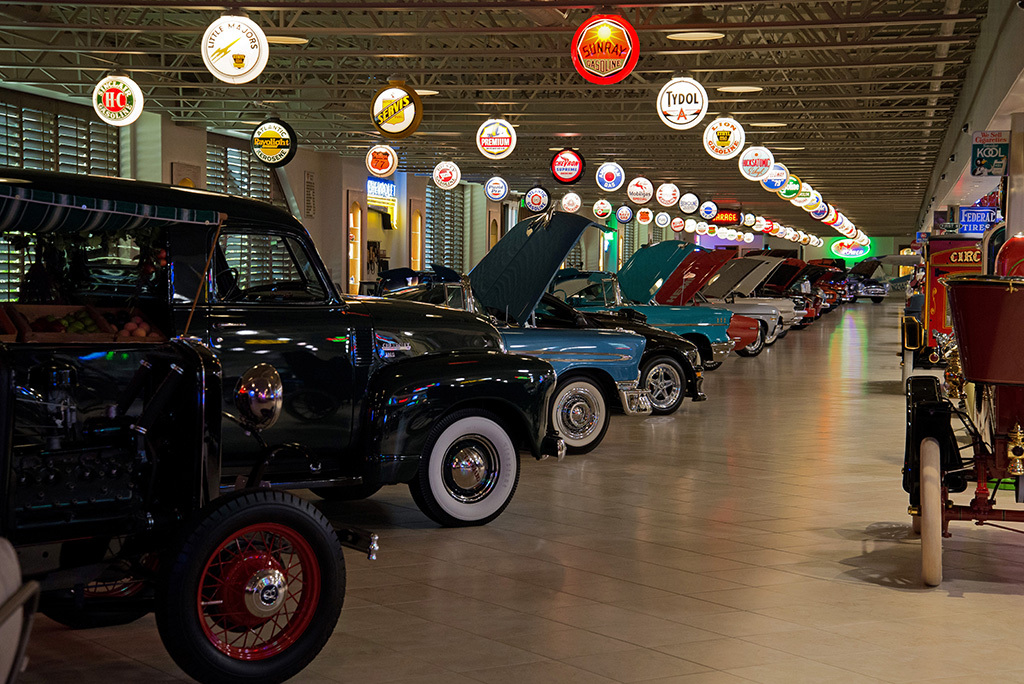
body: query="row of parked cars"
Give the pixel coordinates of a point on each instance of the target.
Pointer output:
(153, 471)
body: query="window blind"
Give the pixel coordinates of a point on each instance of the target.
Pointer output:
(443, 228)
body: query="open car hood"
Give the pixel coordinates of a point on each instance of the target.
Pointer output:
(739, 275)
(644, 272)
(691, 275)
(514, 274)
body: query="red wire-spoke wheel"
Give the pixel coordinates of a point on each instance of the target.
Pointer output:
(254, 591)
(258, 592)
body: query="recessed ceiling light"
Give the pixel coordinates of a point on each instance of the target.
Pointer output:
(739, 89)
(423, 92)
(766, 124)
(790, 149)
(250, 122)
(696, 35)
(287, 40)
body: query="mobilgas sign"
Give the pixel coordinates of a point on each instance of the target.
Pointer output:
(976, 219)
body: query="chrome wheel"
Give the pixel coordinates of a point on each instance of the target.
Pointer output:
(663, 378)
(580, 414)
(471, 468)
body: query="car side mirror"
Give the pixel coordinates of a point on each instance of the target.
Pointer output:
(259, 396)
(581, 321)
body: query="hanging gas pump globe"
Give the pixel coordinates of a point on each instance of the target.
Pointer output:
(605, 49)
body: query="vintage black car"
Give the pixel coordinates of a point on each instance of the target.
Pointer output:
(170, 360)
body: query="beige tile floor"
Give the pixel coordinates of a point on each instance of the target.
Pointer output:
(761, 536)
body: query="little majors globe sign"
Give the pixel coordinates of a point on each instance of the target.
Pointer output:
(235, 49)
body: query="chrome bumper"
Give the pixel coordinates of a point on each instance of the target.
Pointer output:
(721, 350)
(635, 402)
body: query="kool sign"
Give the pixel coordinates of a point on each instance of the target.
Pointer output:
(605, 49)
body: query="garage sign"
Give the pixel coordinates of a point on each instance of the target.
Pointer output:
(605, 49)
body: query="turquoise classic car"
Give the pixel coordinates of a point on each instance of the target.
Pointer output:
(596, 369)
(635, 285)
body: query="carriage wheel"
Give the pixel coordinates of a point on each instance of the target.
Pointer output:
(931, 512)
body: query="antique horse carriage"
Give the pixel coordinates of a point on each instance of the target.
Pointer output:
(984, 393)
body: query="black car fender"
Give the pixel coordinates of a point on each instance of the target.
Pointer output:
(406, 398)
(929, 415)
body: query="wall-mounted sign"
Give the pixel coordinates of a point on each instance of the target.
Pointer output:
(640, 190)
(571, 202)
(678, 225)
(396, 110)
(537, 199)
(447, 175)
(776, 178)
(602, 209)
(690, 225)
(749, 220)
(381, 190)
(726, 217)
(682, 103)
(623, 214)
(662, 219)
(496, 189)
(610, 176)
(791, 188)
(689, 203)
(117, 100)
(821, 211)
(756, 162)
(235, 49)
(724, 138)
(990, 152)
(667, 194)
(708, 210)
(274, 143)
(976, 219)
(567, 166)
(382, 160)
(848, 249)
(605, 48)
(644, 216)
(496, 138)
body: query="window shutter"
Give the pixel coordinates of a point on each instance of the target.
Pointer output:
(443, 228)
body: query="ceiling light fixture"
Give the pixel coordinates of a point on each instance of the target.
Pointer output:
(739, 89)
(287, 40)
(423, 92)
(790, 149)
(697, 18)
(767, 124)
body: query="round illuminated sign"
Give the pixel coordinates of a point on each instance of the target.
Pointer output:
(791, 188)
(381, 161)
(447, 175)
(117, 100)
(605, 48)
(235, 49)
(624, 214)
(749, 220)
(815, 202)
(690, 225)
(748, 237)
(273, 142)
(678, 225)
(667, 194)
(662, 219)
(708, 210)
(396, 111)
(610, 176)
(821, 211)
(496, 138)
(689, 203)
(831, 216)
(804, 195)
(571, 202)
(537, 199)
(496, 189)
(849, 249)
(711, 229)
(724, 138)
(702, 228)
(567, 166)
(756, 162)
(776, 178)
(682, 103)
(640, 190)
(644, 216)
(602, 209)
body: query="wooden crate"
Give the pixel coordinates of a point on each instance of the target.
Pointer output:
(24, 314)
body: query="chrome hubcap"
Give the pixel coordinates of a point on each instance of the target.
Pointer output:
(265, 592)
(578, 413)
(664, 384)
(471, 468)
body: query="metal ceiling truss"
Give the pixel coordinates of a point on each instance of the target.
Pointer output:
(865, 87)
